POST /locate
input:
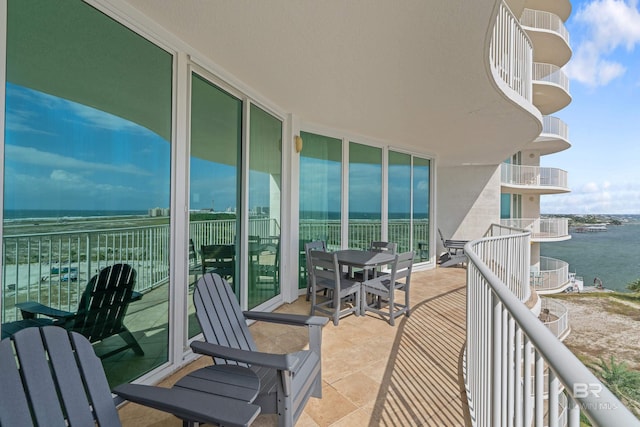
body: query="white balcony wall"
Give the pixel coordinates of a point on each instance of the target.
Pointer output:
(533, 176)
(468, 200)
(550, 73)
(544, 21)
(550, 274)
(541, 228)
(557, 319)
(554, 126)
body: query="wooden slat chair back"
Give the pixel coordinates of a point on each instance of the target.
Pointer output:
(104, 303)
(326, 274)
(52, 377)
(383, 247)
(219, 259)
(49, 377)
(376, 246)
(383, 287)
(101, 310)
(287, 381)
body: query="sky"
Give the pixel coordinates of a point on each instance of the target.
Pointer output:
(603, 163)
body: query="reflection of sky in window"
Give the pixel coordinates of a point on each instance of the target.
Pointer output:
(320, 184)
(61, 155)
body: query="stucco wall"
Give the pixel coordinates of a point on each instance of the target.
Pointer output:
(468, 201)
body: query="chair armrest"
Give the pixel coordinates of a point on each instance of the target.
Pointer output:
(283, 362)
(29, 310)
(287, 319)
(191, 405)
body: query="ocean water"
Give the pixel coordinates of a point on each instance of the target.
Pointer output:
(612, 255)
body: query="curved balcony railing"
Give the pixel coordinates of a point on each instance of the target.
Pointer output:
(511, 53)
(542, 20)
(555, 316)
(533, 176)
(551, 274)
(508, 349)
(549, 73)
(554, 126)
(540, 228)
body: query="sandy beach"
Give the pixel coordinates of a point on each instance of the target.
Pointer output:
(603, 326)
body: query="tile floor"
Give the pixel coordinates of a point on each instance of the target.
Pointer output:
(373, 374)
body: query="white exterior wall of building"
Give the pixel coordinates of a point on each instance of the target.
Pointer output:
(468, 201)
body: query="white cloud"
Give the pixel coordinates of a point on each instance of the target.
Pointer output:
(33, 156)
(594, 198)
(608, 25)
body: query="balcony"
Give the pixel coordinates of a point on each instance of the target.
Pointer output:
(533, 179)
(374, 374)
(555, 316)
(562, 8)
(508, 349)
(551, 276)
(542, 229)
(511, 53)
(550, 88)
(554, 137)
(548, 35)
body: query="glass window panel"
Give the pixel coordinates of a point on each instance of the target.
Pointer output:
(216, 137)
(265, 172)
(505, 206)
(365, 195)
(400, 200)
(320, 193)
(421, 192)
(87, 169)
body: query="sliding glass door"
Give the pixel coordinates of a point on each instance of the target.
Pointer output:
(216, 138)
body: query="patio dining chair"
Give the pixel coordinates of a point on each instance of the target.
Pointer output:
(101, 310)
(315, 245)
(51, 377)
(375, 246)
(219, 259)
(326, 274)
(384, 286)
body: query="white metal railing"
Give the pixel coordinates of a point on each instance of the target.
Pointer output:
(543, 20)
(54, 267)
(554, 126)
(406, 233)
(551, 274)
(508, 349)
(511, 53)
(540, 228)
(533, 176)
(555, 316)
(550, 73)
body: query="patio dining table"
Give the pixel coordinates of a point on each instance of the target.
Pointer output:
(365, 260)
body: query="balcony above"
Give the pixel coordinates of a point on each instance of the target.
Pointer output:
(542, 229)
(550, 88)
(561, 8)
(548, 35)
(533, 179)
(554, 137)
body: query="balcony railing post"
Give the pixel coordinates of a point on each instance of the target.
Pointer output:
(496, 368)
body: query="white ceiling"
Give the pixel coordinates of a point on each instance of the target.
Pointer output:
(412, 73)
